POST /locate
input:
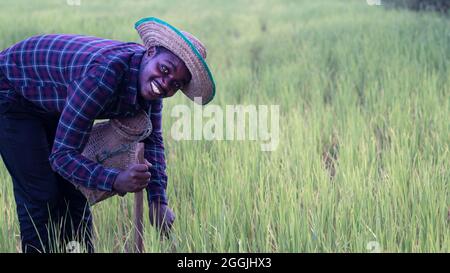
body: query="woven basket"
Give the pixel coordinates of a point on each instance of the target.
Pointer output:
(113, 144)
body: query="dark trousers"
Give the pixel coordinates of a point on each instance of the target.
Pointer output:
(50, 210)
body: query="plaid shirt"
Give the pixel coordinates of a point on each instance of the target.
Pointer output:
(82, 78)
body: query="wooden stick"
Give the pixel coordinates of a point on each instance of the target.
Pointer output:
(139, 206)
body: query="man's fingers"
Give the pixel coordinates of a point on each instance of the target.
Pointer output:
(148, 163)
(142, 184)
(140, 167)
(141, 175)
(138, 189)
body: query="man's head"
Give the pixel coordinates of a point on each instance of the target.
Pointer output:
(162, 74)
(187, 53)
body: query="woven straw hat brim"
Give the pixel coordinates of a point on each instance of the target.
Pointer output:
(155, 32)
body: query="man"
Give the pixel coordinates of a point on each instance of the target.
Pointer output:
(53, 87)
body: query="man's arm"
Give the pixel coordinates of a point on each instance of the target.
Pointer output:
(161, 216)
(154, 153)
(85, 100)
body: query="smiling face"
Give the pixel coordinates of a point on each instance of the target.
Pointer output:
(162, 74)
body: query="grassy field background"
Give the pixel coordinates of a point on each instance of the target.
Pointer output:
(364, 97)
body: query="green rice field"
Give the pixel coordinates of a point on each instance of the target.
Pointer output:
(363, 160)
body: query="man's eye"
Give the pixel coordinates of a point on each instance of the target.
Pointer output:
(164, 69)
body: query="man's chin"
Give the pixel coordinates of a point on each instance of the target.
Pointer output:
(148, 95)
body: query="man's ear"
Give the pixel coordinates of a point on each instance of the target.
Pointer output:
(151, 51)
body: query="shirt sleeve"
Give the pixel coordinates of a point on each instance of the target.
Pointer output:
(154, 153)
(86, 98)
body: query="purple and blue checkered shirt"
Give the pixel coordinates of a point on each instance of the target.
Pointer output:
(83, 78)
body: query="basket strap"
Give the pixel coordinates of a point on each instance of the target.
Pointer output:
(105, 155)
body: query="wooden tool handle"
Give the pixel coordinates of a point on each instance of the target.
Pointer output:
(139, 206)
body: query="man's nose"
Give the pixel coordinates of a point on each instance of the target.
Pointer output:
(166, 82)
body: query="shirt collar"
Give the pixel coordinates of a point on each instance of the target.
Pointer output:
(132, 77)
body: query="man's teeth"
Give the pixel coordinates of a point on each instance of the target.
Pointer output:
(155, 89)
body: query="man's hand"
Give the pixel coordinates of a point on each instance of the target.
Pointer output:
(133, 179)
(161, 217)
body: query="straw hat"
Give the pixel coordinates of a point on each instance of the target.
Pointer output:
(156, 32)
(113, 144)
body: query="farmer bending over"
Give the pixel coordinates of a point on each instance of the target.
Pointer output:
(53, 87)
